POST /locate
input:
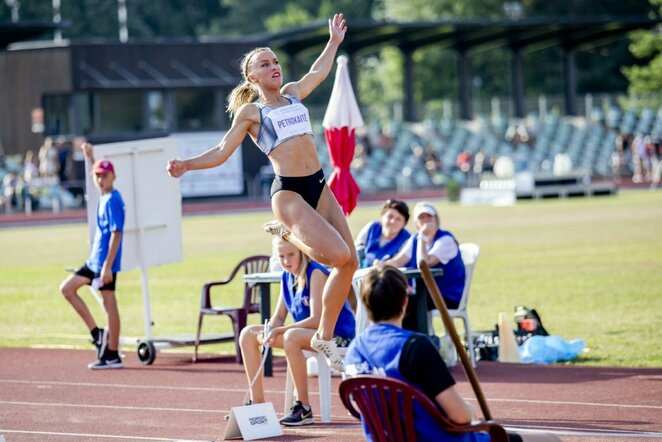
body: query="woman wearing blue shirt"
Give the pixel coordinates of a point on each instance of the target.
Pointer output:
(302, 283)
(383, 239)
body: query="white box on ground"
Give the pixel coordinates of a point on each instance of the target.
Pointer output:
(494, 197)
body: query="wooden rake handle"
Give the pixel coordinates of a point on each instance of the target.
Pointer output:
(450, 327)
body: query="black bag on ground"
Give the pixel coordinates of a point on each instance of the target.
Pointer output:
(528, 324)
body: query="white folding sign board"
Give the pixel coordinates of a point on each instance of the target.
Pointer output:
(152, 226)
(152, 229)
(227, 179)
(250, 422)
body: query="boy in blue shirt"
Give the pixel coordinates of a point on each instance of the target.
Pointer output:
(100, 270)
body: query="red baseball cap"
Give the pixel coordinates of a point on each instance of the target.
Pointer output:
(103, 166)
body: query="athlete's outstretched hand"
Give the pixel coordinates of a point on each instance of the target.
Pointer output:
(176, 168)
(337, 28)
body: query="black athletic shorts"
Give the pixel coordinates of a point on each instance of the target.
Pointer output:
(86, 272)
(309, 187)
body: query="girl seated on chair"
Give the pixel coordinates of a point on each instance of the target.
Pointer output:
(386, 349)
(302, 284)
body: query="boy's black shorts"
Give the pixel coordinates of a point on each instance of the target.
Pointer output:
(86, 272)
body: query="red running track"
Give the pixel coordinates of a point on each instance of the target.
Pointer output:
(50, 395)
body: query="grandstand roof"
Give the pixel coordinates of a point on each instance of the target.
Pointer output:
(24, 30)
(469, 36)
(534, 33)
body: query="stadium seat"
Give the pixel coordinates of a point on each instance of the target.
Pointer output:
(238, 315)
(389, 406)
(470, 252)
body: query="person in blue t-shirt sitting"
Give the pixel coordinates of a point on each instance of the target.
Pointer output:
(439, 249)
(100, 270)
(383, 239)
(386, 349)
(302, 283)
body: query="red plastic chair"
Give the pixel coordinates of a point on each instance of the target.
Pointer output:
(238, 315)
(396, 398)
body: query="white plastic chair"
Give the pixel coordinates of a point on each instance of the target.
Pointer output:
(323, 370)
(470, 252)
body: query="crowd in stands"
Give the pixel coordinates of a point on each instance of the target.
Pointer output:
(616, 145)
(49, 178)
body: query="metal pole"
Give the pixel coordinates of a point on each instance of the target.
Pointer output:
(122, 18)
(57, 18)
(450, 328)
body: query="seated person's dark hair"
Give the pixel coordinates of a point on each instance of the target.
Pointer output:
(398, 205)
(383, 292)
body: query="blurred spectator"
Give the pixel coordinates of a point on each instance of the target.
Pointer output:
(386, 141)
(64, 160)
(48, 159)
(638, 158)
(8, 196)
(30, 166)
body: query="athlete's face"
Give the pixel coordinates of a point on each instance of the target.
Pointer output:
(264, 70)
(289, 256)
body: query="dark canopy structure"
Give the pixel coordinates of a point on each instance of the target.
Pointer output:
(467, 36)
(12, 32)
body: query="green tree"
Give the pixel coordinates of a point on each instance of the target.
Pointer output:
(646, 79)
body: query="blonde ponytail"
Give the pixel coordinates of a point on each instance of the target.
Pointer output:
(245, 92)
(242, 94)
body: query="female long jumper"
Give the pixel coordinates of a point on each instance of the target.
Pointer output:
(309, 215)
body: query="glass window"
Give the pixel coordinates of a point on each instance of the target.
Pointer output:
(156, 111)
(56, 115)
(195, 109)
(120, 111)
(84, 111)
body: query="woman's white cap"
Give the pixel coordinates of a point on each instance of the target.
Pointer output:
(424, 207)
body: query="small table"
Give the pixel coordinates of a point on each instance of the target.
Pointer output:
(264, 281)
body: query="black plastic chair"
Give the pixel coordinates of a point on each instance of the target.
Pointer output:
(395, 399)
(238, 315)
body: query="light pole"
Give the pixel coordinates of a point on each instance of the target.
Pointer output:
(15, 5)
(57, 18)
(122, 18)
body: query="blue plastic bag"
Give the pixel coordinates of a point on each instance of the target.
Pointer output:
(549, 349)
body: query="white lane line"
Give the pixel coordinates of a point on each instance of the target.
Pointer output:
(592, 404)
(133, 386)
(113, 407)
(569, 431)
(104, 436)
(243, 390)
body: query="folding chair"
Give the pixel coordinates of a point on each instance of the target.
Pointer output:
(387, 408)
(470, 252)
(238, 315)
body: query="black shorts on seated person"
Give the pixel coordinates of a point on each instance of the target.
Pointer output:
(86, 272)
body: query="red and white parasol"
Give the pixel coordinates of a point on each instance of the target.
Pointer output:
(340, 121)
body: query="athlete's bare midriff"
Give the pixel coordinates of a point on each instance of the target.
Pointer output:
(295, 157)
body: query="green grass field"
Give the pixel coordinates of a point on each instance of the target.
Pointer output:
(591, 268)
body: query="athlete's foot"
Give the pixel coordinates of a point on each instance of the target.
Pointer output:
(329, 350)
(276, 228)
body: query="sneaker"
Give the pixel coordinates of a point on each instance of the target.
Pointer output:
(101, 342)
(329, 350)
(106, 363)
(276, 228)
(298, 415)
